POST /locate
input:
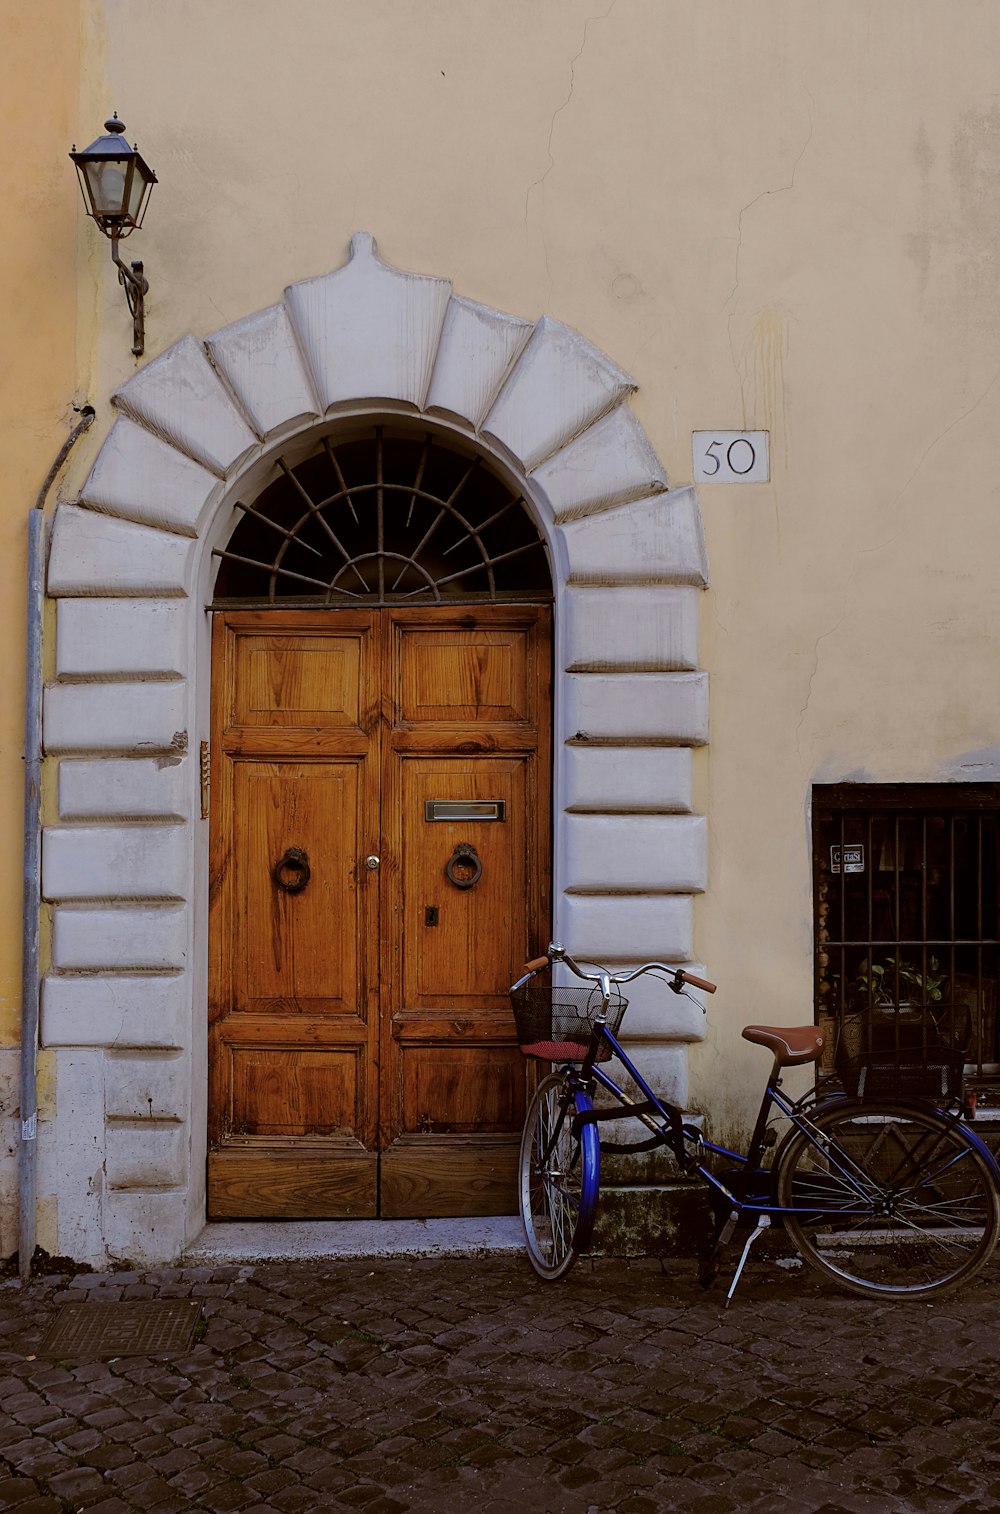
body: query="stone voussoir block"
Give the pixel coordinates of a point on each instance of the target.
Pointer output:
(179, 397)
(95, 554)
(657, 540)
(369, 330)
(139, 477)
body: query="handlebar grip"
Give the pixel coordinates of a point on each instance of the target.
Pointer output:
(535, 964)
(698, 982)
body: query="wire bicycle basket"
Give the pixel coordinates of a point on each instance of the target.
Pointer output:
(555, 1024)
(916, 1054)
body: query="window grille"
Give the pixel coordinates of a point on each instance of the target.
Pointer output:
(906, 914)
(379, 518)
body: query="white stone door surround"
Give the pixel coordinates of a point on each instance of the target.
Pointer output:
(125, 866)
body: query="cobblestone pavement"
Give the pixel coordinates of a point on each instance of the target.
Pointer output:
(454, 1385)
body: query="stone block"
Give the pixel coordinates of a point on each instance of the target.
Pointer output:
(477, 348)
(116, 717)
(146, 1154)
(671, 708)
(139, 477)
(143, 788)
(101, 637)
(557, 388)
(179, 398)
(127, 1010)
(94, 554)
(261, 361)
(650, 779)
(146, 1087)
(652, 540)
(656, 1014)
(123, 939)
(626, 927)
(116, 862)
(71, 1153)
(606, 465)
(146, 1227)
(654, 853)
(647, 628)
(369, 331)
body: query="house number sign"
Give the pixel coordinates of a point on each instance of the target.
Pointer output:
(731, 457)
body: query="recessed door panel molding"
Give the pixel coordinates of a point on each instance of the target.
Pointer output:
(373, 894)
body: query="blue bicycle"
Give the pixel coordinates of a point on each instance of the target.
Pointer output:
(890, 1197)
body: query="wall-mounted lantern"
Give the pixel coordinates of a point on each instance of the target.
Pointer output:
(115, 183)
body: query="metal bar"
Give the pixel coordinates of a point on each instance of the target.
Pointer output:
(328, 446)
(317, 512)
(425, 454)
(273, 524)
(480, 567)
(252, 562)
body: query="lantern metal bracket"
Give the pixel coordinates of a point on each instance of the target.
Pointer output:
(136, 288)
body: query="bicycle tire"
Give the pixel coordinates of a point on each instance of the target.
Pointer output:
(895, 1200)
(558, 1178)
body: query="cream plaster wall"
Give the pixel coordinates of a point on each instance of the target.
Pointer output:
(771, 214)
(38, 86)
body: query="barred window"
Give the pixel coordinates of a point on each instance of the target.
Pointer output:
(905, 898)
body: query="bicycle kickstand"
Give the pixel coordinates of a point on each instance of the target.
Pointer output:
(763, 1223)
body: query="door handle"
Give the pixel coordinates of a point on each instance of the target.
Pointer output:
(292, 872)
(373, 863)
(464, 867)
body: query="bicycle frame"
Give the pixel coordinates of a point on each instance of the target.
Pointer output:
(665, 1121)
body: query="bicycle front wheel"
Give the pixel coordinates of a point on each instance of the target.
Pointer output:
(558, 1177)
(890, 1200)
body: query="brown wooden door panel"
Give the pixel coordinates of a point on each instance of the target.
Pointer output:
(348, 1033)
(300, 951)
(462, 960)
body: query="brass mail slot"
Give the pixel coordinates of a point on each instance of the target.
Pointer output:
(465, 809)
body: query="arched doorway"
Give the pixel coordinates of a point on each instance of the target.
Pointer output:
(380, 831)
(128, 711)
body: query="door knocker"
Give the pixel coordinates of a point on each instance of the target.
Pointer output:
(464, 867)
(292, 872)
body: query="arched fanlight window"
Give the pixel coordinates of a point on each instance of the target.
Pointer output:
(383, 516)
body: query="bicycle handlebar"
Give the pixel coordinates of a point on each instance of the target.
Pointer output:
(677, 977)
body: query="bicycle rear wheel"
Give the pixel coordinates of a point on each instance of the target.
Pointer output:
(892, 1199)
(558, 1178)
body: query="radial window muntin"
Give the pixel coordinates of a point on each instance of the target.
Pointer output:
(387, 514)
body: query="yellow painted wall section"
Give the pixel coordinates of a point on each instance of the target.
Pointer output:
(39, 74)
(778, 215)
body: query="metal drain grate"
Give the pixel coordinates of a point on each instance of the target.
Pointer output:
(137, 1327)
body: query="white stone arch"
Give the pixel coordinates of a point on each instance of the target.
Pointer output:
(125, 863)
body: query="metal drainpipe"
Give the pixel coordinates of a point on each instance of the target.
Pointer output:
(32, 901)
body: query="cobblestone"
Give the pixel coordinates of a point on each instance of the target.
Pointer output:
(402, 1387)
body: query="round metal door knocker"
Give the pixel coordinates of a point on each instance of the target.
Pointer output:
(464, 867)
(292, 872)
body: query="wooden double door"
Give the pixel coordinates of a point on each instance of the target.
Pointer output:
(379, 870)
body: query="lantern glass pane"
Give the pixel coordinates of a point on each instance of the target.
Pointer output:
(107, 186)
(137, 191)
